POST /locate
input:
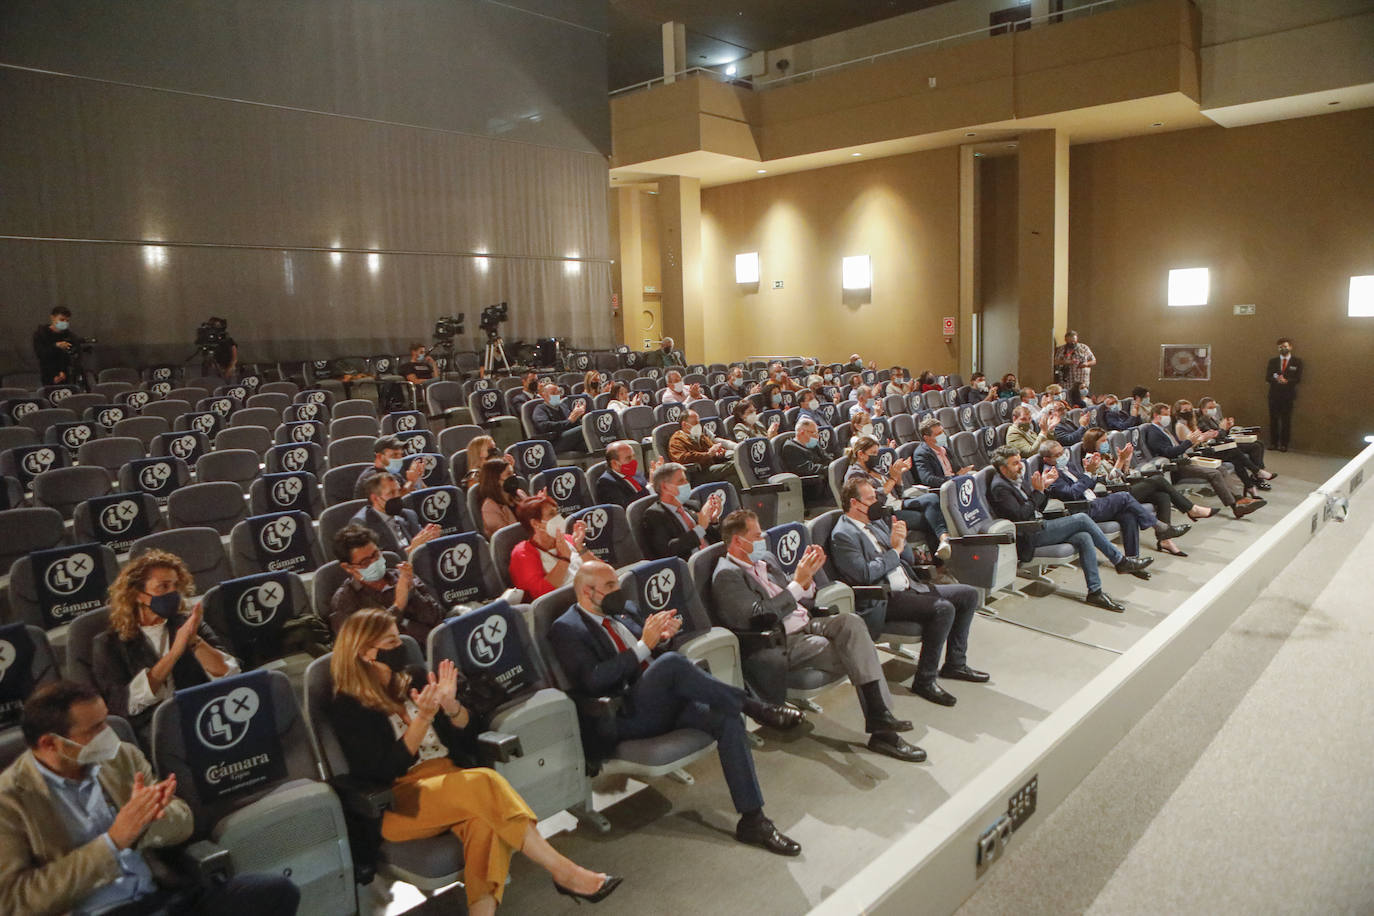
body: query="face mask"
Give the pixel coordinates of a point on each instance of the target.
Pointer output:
(556, 526)
(677, 386)
(1214, 412)
(1185, 414)
(751, 418)
(1283, 351)
(630, 468)
(1114, 408)
(165, 606)
(866, 429)
(510, 485)
(374, 571)
(1023, 425)
(1163, 421)
(555, 400)
(393, 506)
(829, 376)
(1062, 461)
(877, 512)
(694, 430)
(419, 354)
(1145, 403)
(777, 399)
(394, 465)
(757, 550)
(103, 747)
(981, 386)
(63, 325)
(814, 442)
(395, 659)
(1104, 449)
(942, 440)
(613, 602)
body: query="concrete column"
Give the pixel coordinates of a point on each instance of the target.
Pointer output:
(674, 50)
(968, 265)
(1042, 250)
(628, 274)
(679, 204)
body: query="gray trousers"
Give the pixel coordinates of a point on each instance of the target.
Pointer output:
(838, 644)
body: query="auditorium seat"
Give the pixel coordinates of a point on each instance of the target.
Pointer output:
(339, 482)
(256, 439)
(117, 520)
(354, 407)
(236, 465)
(168, 410)
(284, 491)
(344, 427)
(63, 488)
(610, 536)
(272, 542)
(144, 429)
(296, 456)
(567, 485)
(351, 450)
(460, 570)
(201, 549)
(455, 439)
(213, 504)
(17, 437)
(29, 528)
(41, 420)
(111, 453)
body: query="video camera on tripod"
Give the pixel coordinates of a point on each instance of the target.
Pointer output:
(211, 334)
(490, 322)
(447, 327)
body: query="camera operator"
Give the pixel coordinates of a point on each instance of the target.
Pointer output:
(220, 350)
(420, 368)
(57, 348)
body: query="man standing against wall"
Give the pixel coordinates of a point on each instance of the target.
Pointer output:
(1283, 374)
(1073, 364)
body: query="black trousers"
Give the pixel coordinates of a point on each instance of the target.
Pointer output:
(1280, 420)
(945, 616)
(1158, 492)
(258, 895)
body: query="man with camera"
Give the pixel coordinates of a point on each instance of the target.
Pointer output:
(57, 349)
(220, 351)
(420, 367)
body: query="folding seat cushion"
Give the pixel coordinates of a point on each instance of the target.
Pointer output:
(64, 488)
(217, 504)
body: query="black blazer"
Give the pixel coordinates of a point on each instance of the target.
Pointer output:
(115, 661)
(663, 536)
(612, 488)
(379, 525)
(1007, 500)
(595, 669)
(371, 747)
(927, 466)
(803, 461)
(1160, 443)
(550, 422)
(1288, 392)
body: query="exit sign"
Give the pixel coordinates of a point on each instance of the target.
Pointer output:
(1244, 309)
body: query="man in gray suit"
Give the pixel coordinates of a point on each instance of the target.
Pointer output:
(869, 552)
(752, 593)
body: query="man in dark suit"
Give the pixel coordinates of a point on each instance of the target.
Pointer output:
(752, 593)
(1120, 416)
(1007, 500)
(802, 456)
(385, 515)
(931, 461)
(1067, 431)
(621, 483)
(869, 552)
(673, 527)
(1284, 374)
(559, 424)
(609, 649)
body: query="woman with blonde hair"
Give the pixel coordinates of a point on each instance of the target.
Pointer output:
(155, 644)
(480, 449)
(405, 727)
(591, 383)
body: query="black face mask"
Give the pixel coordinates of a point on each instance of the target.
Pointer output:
(396, 659)
(393, 506)
(877, 512)
(613, 603)
(511, 485)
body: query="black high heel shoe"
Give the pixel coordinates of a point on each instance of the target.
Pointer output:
(601, 893)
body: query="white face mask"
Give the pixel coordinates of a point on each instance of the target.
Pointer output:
(866, 429)
(751, 418)
(556, 526)
(1213, 412)
(103, 747)
(677, 386)
(981, 386)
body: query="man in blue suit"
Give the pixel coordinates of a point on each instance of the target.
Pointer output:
(931, 461)
(869, 552)
(622, 482)
(609, 649)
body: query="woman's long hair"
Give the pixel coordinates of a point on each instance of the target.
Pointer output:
(489, 482)
(355, 677)
(861, 445)
(123, 594)
(477, 453)
(1191, 420)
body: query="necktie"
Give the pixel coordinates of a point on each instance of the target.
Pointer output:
(687, 520)
(1283, 366)
(634, 483)
(615, 638)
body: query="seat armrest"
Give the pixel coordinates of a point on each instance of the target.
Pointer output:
(1055, 513)
(765, 488)
(1027, 527)
(365, 799)
(983, 540)
(599, 707)
(1116, 487)
(870, 592)
(204, 861)
(755, 640)
(1076, 505)
(499, 747)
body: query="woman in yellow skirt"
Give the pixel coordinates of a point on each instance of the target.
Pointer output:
(422, 741)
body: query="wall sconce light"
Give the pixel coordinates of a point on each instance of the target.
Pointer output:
(1361, 297)
(857, 272)
(374, 262)
(1188, 286)
(747, 267)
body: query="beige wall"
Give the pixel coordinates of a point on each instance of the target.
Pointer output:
(1281, 214)
(996, 296)
(901, 211)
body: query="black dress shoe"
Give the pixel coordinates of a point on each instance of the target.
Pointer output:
(1133, 565)
(934, 693)
(780, 716)
(1175, 531)
(1101, 599)
(892, 744)
(761, 832)
(596, 896)
(964, 673)
(886, 722)
(1262, 485)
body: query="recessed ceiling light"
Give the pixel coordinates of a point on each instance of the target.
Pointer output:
(1157, 124)
(1011, 146)
(856, 154)
(971, 134)
(730, 70)
(763, 171)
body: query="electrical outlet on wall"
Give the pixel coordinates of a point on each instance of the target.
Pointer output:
(1244, 309)
(777, 284)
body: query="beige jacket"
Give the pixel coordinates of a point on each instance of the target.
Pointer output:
(1026, 442)
(40, 872)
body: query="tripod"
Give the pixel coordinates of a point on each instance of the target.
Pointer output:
(495, 349)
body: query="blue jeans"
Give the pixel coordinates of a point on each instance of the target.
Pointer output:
(928, 505)
(1126, 509)
(1083, 533)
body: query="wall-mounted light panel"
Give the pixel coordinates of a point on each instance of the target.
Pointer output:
(1361, 297)
(747, 267)
(1189, 286)
(857, 272)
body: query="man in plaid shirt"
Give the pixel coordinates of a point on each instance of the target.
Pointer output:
(1077, 361)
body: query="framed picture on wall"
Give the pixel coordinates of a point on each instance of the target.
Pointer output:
(1185, 362)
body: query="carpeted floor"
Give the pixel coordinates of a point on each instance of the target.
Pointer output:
(674, 844)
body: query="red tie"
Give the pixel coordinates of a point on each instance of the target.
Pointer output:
(634, 483)
(1283, 366)
(687, 520)
(615, 638)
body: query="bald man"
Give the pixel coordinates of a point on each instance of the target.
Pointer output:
(610, 649)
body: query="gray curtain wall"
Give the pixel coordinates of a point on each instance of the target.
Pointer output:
(329, 176)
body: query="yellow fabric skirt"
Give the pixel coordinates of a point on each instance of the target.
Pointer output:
(478, 805)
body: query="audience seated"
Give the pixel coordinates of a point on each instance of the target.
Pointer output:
(920, 511)
(1210, 416)
(371, 584)
(608, 648)
(1185, 425)
(80, 811)
(390, 458)
(499, 491)
(155, 643)
(479, 450)
(897, 383)
(747, 425)
(1022, 434)
(978, 390)
(404, 727)
(622, 399)
(665, 357)
(622, 483)
(384, 510)
(1120, 415)
(1152, 489)
(673, 527)
(559, 423)
(927, 382)
(549, 556)
(802, 456)
(868, 551)
(675, 392)
(705, 457)
(931, 460)
(1008, 387)
(1162, 442)
(1009, 501)
(1066, 430)
(752, 592)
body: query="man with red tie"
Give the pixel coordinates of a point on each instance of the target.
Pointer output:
(1283, 374)
(622, 482)
(673, 527)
